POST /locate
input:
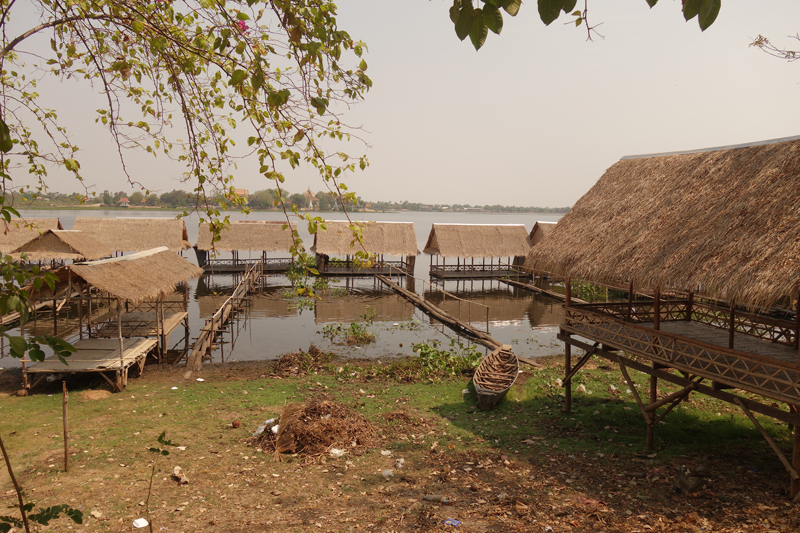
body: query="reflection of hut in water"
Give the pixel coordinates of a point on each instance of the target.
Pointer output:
(379, 238)
(388, 306)
(260, 236)
(63, 245)
(467, 242)
(258, 305)
(139, 323)
(541, 229)
(704, 225)
(544, 311)
(503, 305)
(21, 231)
(136, 234)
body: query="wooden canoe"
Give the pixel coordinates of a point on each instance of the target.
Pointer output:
(496, 373)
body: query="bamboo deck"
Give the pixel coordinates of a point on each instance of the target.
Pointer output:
(141, 324)
(97, 355)
(467, 273)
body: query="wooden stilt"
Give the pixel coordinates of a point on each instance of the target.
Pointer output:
(120, 377)
(651, 428)
(689, 305)
(794, 487)
(657, 309)
(567, 352)
(630, 301)
(732, 325)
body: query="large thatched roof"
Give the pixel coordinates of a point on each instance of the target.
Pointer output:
(17, 232)
(477, 240)
(247, 235)
(390, 238)
(540, 230)
(64, 244)
(134, 278)
(726, 221)
(136, 234)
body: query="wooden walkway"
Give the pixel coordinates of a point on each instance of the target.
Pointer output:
(96, 355)
(205, 340)
(534, 288)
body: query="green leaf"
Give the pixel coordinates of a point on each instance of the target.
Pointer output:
(511, 6)
(257, 79)
(6, 144)
(708, 13)
(454, 9)
(237, 77)
(18, 346)
(691, 8)
(549, 10)
(242, 16)
(651, 3)
(464, 23)
(478, 32)
(72, 165)
(493, 19)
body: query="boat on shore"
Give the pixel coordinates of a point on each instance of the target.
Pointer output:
(494, 376)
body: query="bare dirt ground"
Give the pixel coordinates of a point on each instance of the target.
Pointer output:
(449, 481)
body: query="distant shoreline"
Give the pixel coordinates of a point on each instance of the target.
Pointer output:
(181, 209)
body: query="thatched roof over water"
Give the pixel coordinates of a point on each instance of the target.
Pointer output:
(249, 235)
(19, 231)
(64, 244)
(135, 278)
(477, 240)
(724, 220)
(540, 230)
(136, 234)
(390, 238)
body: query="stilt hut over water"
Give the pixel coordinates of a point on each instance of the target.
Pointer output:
(18, 232)
(715, 235)
(136, 234)
(396, 239)
(261, 236)
(462, 244)
(137, 320)
(63, 245)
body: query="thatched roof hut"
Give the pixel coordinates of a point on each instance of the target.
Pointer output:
(134, 278)
(17, 232)
(725, 220)
(249, 235)
(64, 245)
(540, 230)
(136, 234)
(477, 240)
(390, 238)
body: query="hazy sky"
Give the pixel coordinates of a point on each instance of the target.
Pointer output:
(537, 115)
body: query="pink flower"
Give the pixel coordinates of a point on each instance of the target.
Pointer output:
(242, 26)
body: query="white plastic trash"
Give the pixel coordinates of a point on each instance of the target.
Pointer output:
(276, 428)
(140, 523)
(336, 453)
(259, 430)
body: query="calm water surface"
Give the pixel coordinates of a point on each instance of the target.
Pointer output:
(271, 325)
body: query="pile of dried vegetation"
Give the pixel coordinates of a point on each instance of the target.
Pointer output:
(300, 363)
(315, 426)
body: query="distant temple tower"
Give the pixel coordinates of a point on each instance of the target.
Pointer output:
(311, 198)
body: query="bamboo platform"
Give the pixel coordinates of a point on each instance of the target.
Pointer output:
(538, 290)
(465, 272)
(141, 324)
(98, 356)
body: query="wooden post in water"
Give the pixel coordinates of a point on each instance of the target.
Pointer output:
(567, 351)
(689, 305)
(66, 425)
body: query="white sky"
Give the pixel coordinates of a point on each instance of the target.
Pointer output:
(537, 115)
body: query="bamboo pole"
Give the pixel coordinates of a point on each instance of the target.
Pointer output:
(657, 309)
(121, 346)
(689, 305)
(66, 426)
(567, 352)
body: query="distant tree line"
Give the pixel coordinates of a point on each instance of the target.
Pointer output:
(263, 200)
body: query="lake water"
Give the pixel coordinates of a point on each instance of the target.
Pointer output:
(272, 325)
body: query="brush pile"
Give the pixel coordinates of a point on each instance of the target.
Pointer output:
(315, 426)
(300, 363)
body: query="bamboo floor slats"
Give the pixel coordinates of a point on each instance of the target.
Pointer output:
(96, 355)
(141, 324)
